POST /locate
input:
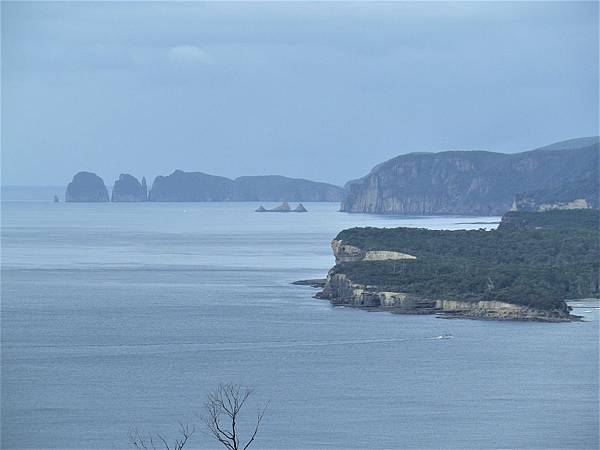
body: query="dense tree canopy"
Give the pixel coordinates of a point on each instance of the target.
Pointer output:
(536, 267)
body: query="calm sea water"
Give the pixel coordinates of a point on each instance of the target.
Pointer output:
(117, 315)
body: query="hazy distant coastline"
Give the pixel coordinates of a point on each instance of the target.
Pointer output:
(561, 175)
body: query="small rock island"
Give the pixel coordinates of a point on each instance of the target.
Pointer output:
(86, 187)
(300, 208)
(128, 189)
(284, 207)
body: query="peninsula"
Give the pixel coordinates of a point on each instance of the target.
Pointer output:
(524, 270)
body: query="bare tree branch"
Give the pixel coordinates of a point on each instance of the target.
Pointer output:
(227, 402)
(146, 442)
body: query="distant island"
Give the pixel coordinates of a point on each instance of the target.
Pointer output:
(128, 189)
(183, 186)
(524, 270)
(284, 207)
(86, 187)
(560, 175)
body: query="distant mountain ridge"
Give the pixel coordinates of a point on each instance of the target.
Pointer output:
(183, 186)
(476, 182)
(563, 175)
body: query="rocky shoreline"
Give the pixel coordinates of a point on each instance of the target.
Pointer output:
(341, 291)
(375, 293)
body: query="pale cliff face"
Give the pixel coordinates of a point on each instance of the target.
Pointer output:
(350, 253)
(340, 290)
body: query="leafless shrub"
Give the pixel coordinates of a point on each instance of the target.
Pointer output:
(154, 442)
(223, 407)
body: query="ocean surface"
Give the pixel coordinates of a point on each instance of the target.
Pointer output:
(117, 316)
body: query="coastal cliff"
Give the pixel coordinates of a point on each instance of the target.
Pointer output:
(525, 270)
(350, 253)
(86, 187)
(340, 290)
(478, 182)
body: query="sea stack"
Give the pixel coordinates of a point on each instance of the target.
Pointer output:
(300, 208)
(128, 189)
(284, 207)
(56, 199)
(86, 187)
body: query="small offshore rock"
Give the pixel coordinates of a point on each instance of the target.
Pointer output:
(300, 208)
(284, 207)
(315, 283)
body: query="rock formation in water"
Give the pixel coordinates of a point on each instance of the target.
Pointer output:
(284, 207)
(477, 182)
(300, 208)
(86, 187)
(128, 189)
(200, 187)
(56, 199)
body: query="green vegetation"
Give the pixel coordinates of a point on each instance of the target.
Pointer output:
(584, 219)
(539, 267)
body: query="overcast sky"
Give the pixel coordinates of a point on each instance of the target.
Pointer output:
(316, 90)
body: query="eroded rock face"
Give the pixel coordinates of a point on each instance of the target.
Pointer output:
(501, 311)
(86, 187)
(346, 253)
(384, 255)
(475, 182)
(340, 290)
(128, 189)
(349, 253)
(300, 208)
(284, 207)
